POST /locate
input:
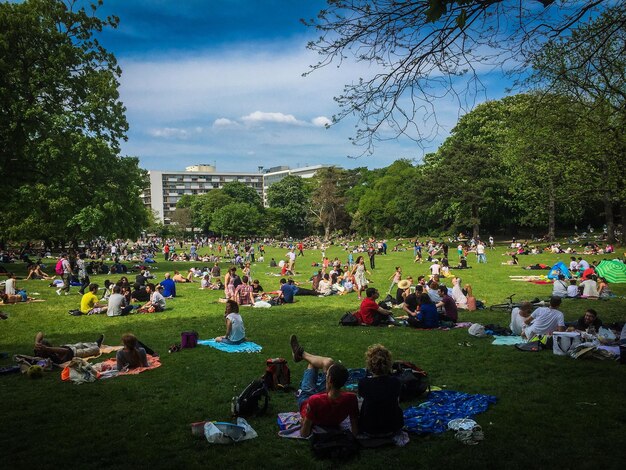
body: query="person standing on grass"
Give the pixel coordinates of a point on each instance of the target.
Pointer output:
(359, 272)
(395, 278)
(371, 252)
(66, 276)
(83, 277)
(300, 249)
(324, 405)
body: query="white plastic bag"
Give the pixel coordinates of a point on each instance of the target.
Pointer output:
(565, 341)
(262, 304)
(228, 433)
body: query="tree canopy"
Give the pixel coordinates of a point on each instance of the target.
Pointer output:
(422, 50)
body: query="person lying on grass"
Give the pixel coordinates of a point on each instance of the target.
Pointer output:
(65, 352)
(132, 355)
(327, 405)
(235, 330)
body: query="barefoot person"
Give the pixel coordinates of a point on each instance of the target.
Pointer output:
(326, 405)
(65, 352)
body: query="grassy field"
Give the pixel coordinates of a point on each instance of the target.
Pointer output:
(552, 411)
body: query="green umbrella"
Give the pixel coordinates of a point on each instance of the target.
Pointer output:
(612, 271)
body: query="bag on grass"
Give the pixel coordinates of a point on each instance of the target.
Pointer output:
(188, 339)
(349, 319)
(228, 433)
(414, 381)
(277, 374)
(336, 445)
(247, 403)
(565, 341)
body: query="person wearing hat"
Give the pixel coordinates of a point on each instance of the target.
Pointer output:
(404, 286)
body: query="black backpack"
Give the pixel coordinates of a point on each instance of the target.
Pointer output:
(349, 319)
(336, 445)
(413, 379)
(247, 403)
(277, 374)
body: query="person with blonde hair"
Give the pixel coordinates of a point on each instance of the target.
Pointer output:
(380, 414)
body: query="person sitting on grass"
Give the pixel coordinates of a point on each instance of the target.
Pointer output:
(169, 286)
(65, 352)
(590, 318)
(370, 313)
(590, 288)
(519, 316)
(448, 305)
(381, 415)
(426, 316)
(572, 289)
(89, 304)
(559, 288)
(545, 320)
(118, 304)
(243, 292)
(235, 330)
(324, 405)
(156, 302)
(132, 355)
(287, 291)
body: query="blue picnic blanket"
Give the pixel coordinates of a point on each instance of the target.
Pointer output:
(247, 347)
(507, 340)
(433, 415)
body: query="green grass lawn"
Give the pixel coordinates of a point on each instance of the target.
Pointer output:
(552, 411)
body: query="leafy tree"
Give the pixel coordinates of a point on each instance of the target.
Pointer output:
(290, 197)
(204, 206)
(239, 192)
(61, 122)
(328, 200)
(590, 67)
(237, 220)
(416, 48)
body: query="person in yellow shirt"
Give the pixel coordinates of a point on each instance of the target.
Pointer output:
(89, 304)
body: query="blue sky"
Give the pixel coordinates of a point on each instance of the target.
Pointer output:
(220, 82)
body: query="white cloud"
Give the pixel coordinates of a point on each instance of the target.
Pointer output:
(170, 132)
(225, 122)
(321, 121)
(280, 118)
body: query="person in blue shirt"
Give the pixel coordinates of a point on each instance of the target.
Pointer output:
(169, 287)
(426, 316)
(287, 291)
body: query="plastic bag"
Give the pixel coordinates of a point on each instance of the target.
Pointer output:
(262, 304)
(228, 433)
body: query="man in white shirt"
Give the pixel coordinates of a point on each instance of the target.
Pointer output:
(9, 286)
(519, 316)
(435, 269)
(545, 320)
(291, 255)
(573, 265)
(582, 264)
(480, 253)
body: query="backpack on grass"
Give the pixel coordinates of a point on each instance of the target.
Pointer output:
(247, 403)
(349, 319)
(414, 381)
(336, 445)
(277, 374)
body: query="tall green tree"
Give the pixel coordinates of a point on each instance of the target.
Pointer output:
(239, 192)
(237, 220)
(291, 198)
(61, 123)
(328, 199)
(203, 207)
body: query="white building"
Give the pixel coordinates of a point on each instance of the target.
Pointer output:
(167, 187)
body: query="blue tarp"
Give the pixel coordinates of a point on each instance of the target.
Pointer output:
(559, 268)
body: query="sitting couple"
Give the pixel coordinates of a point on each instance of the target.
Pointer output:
(327, 406)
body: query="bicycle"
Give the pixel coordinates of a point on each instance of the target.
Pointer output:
(510, 305)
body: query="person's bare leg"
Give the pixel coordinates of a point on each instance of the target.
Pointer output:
(315, 361)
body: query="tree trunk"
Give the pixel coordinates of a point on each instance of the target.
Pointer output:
(326, 232)
(475, 222)
(610, 218)
(623, 214)
(551, 214)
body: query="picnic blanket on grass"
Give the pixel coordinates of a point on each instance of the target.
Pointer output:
(111, 365)
(246, 347)
(433, 415)
(507, 340)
